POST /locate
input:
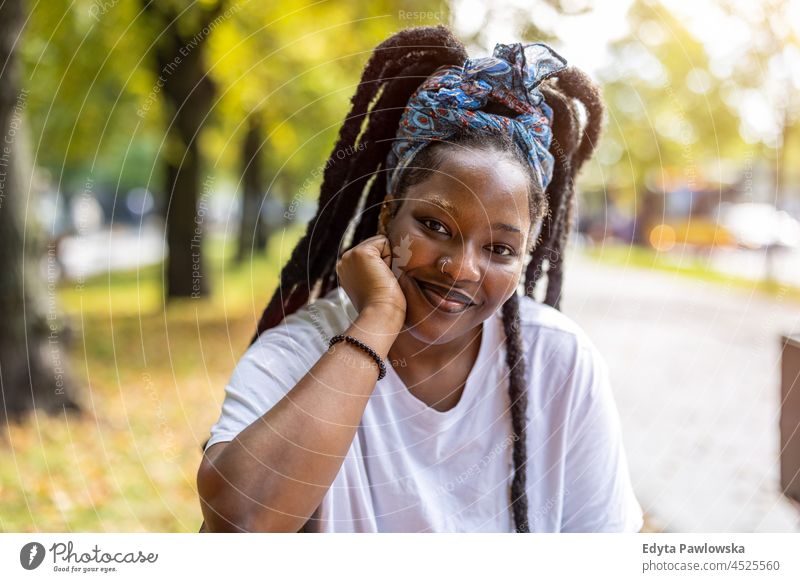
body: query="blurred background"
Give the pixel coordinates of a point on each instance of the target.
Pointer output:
(159, 161)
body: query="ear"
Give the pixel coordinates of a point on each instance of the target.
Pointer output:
(385, 216)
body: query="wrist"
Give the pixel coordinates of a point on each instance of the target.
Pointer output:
(378, 327)
(364, 347)
(392, 316)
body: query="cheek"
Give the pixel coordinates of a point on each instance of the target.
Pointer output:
(501, 281)
(410, 249)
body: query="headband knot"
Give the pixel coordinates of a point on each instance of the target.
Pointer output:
(451, 99)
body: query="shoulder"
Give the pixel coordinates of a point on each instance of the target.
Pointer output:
(297, 342)
(315, 323)
(273, 364)
(281, 355)
(564, 363)
(542, 325)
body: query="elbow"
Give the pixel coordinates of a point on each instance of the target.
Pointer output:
(226, 510)
(216, 505)
(218, 521)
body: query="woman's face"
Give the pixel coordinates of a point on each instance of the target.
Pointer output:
(474, 210)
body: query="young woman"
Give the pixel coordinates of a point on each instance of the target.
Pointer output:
(412, 382)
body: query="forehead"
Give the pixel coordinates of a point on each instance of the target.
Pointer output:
(477, 184)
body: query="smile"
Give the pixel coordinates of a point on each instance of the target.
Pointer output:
(438, 301)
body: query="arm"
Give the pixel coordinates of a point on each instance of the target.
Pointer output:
(274, 474)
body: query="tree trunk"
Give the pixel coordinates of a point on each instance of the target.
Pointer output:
(188, 94)
(186, 221)
(33, 342)
(251, 227)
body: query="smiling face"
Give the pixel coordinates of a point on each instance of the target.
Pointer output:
(473, 209)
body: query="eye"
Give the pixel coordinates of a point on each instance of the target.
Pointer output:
(427, 221)
(511, 252)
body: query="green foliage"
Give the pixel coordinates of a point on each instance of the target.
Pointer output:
(97, 108)
(667, 120)
(296, 65)
(82, 63)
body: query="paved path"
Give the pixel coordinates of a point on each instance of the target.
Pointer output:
(696, 373)
(126, 247)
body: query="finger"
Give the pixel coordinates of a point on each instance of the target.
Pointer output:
(378, 244)
(386, 248)
(386, 252)
(372, 239)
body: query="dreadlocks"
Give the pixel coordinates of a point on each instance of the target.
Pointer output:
(394, 71)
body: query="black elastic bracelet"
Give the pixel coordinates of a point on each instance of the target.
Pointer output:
(363, 346)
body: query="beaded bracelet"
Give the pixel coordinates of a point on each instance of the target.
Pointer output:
(363, 346)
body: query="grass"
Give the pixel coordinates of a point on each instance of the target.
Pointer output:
(685, 264)
(151, 380)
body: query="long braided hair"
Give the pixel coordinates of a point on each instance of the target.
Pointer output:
(394, 71)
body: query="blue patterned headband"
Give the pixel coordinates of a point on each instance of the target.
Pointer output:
(451, 100)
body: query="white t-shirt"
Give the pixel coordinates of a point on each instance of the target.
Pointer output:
(412, 468)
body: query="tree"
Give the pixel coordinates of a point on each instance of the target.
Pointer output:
(33, 356)
(668, 122)
(294, 66)
(764, 66)
(252, 233)
(763, 70)
(85, 60)
(181, 32)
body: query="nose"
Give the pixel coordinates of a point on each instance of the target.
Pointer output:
(464, 265)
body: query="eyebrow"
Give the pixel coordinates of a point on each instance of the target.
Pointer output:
(506, 227)
(452, 209)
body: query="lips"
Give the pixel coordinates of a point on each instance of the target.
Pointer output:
(448, 301)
